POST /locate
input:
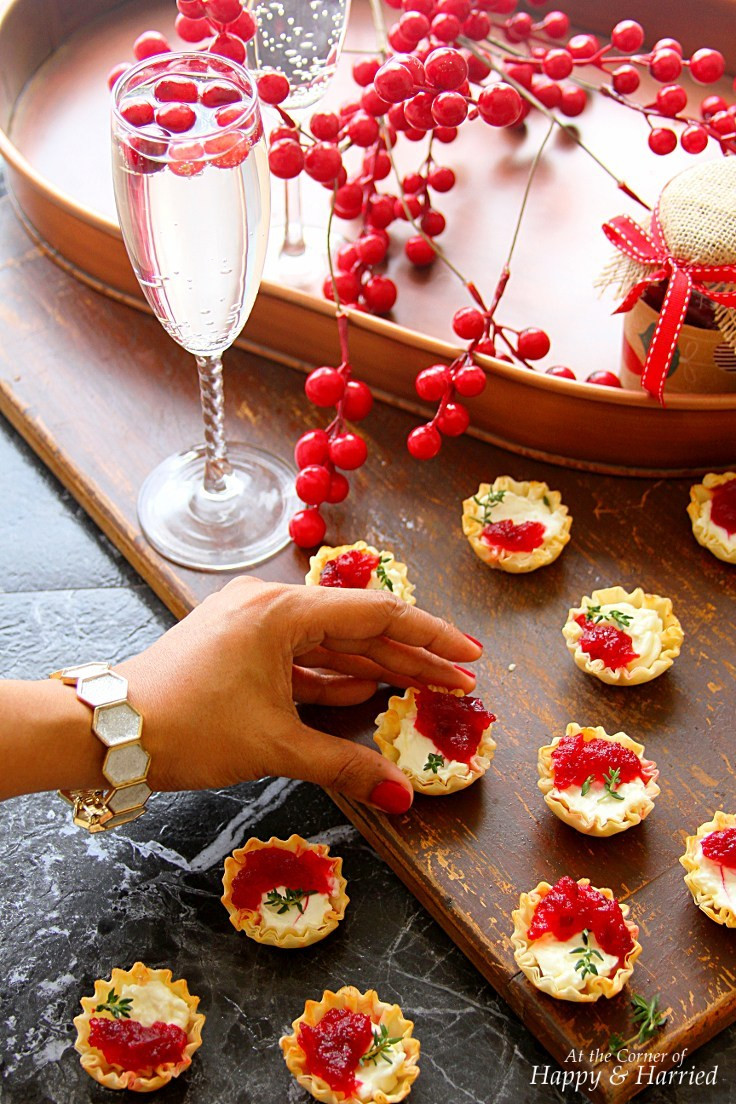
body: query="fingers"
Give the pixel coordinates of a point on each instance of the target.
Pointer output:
(394, 664)
(320, 688)
(352, 770)
(361, 614)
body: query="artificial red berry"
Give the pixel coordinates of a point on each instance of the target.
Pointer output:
(380, 294)
(323, 162)
(364, 71)
(191, 30)
(460, 8)
(219, 93)
(192, 9)
(628, 35)
(449, 109)
(557, 64)
(273, 88)
(394, 82)
(325, 126)
(371, 248)
(377, 164)
(722, 123)
(231, 148)
(399, 42)
(583, 46)
(313, 484)
(413, 26)
(573, 100)
(518, 27)
(419, 251)
(468, 323)
(441, 179)
(380, 212)
(711, 105)
(521, 72)
(424, 442)
(347, 257)
(470, 380)
(446, 27)
(625, 79)
(561, 371)
(446, 69)
(222, 11)
(176, 89)
(362, 129)
(707, 66)
(604, 379)
(432, 383)
(347, 284)
(694, 139)
(307, 528)
(358, 401)
(486, 346)
(311, 448)
(149, 44)
(500, 105)
(556, 24)
(339, 488)
(671, 99)
(348, 201)
(244, 27)
(433, 223)
(418, 111)
(186, 158)
(175, 117)
(116, 73)
(453, 419)
(228, 46)
(533, 344)
(666, 65)
(137, 112)
(226, 116)
(662, 140)
(477, 25)
(348, 451)
(478, 69)
(667, 44)
(445, 134)
(324, 386)
(286, 159)
(547, 91)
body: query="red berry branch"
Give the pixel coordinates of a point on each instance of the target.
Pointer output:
(444, 64)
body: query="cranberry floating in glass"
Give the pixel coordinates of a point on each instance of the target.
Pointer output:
(192, 192)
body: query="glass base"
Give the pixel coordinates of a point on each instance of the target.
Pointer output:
(241, 526)
(306, 270)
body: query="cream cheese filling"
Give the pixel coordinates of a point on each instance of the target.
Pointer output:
(381, 1074)
(556, 959)
(519, 508)
(414, 750)
(716, 880)
(155, 1003)
(315, 907)
(598, 805)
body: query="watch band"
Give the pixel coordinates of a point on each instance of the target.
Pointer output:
(118, 725)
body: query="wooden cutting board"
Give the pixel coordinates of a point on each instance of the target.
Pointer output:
(102, 394)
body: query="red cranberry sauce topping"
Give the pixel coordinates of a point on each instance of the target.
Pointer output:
(350, 569)
(269, 867)
(454, 725)
(335, 1045)
(512, 537)
(723, 506)
(568, 908)
(132, 1046)
(720, 846)
(602, 640)
(574, 760)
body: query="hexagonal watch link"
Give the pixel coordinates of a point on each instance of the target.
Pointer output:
(118, 725)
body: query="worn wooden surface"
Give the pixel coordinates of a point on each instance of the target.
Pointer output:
(101, 394)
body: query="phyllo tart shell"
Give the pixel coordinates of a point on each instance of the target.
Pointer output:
(290, 936)
(701, 887)
(113, 1076)
(705, 532)
(400, 708)
(639, 670)
(546, 504)
(393, 571)
(381, 1014)
(617, 816)
(596, 985)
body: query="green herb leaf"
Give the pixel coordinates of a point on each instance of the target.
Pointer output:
(610, 782)
(434, 762)
(486, 504)
(587, 784)
(616, 1044)
(545, 500)
(585, 964)
(648, 1016)
(382, 574)
(621, 619)
(292, 898)
(381, 1043)
(118, 1007)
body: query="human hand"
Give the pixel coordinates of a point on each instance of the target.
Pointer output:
(218, 690)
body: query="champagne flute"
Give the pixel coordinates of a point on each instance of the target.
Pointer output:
(303, 40)
(191, 185)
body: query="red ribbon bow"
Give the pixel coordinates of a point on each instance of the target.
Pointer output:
(682, 278)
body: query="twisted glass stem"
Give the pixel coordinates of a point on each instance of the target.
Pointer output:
(217, 466)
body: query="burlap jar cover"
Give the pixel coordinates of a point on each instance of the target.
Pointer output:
(689, 242)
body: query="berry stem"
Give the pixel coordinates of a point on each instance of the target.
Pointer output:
(529, 181)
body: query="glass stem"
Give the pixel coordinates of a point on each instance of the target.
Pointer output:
(293, 244)
(216, 466)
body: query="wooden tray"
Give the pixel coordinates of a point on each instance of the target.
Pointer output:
(54, 134)
(102, 394)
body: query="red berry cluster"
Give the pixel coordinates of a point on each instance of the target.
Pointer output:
(322, 455)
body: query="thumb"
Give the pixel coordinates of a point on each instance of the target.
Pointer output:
(351, 769)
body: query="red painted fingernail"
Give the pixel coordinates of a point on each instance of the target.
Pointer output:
(473, 640)
(465, 671)
(392, 797)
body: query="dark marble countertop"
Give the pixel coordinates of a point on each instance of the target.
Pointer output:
(72, 906)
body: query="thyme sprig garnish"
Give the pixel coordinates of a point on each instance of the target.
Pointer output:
(434, 762)
(610, 783)
(382, 574)
(621, 619)
(486, 504)
(585, 964)
(546, 502)
(647, 1014)
(587, 784)
(118, 1007)
(381, 1043)
(292, 898)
